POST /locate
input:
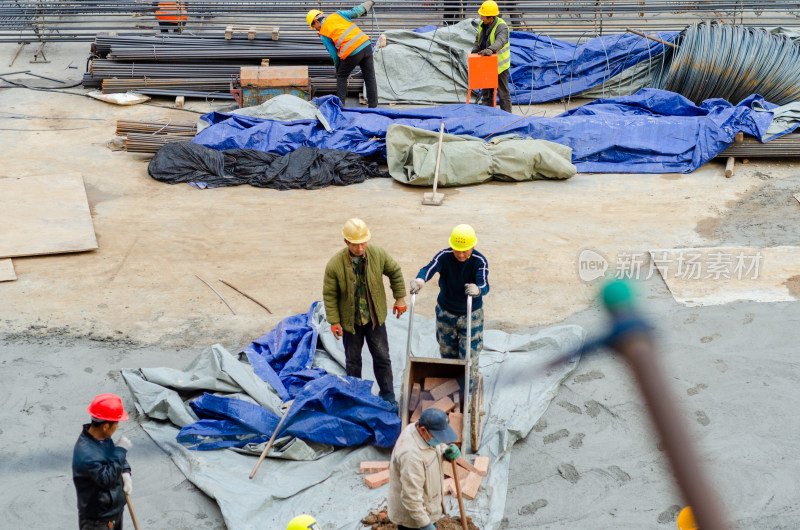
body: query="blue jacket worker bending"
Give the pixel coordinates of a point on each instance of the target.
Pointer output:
(100, 467)
(349, 47)
(462, 271)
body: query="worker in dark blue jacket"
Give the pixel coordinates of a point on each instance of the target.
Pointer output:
(462, 271)
(100, 467)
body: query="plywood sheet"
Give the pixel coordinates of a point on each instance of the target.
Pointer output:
(721, 275)
(46, 214)
(7, 271)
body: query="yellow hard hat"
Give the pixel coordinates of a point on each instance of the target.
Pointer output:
(686, 520)
(489, 9)
(303, 522)
(312, 15)
(355, 231)
(463, 238)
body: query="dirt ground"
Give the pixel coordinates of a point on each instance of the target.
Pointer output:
(70, 322)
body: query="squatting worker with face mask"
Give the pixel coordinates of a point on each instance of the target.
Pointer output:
(348, 46)
(416, 499)
(355, 303)
(462, 271)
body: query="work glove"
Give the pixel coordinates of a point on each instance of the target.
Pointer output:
(416, 285)
(486, 52)
(400, 307)
(127, 483)
(430, 526)
(472, 289)
(336, 329)
(124, 443)
(368, 5)
(452, 453)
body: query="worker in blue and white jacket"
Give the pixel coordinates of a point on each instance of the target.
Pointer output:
(348, 46)
(462, 271)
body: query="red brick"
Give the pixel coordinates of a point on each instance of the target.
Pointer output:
(445, 404)
(482, 465)
(445, 389)
(413, 400)
(470, 486)
(373, 467)
(377, 479)
(433, 382)
(456, 421)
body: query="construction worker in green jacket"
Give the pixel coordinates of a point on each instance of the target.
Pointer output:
(355, 303)
(493, 38)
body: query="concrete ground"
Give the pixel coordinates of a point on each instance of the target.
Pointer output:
(72, 321)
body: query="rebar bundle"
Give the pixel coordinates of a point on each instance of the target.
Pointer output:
(80, 20)
(731, 62)
(149, 137)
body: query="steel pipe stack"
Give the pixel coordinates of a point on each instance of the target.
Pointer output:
(201, 67)
(80, 20)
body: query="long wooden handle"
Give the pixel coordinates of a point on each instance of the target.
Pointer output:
(460, 498)
(133, 514)
(438, 159)
(269, 444)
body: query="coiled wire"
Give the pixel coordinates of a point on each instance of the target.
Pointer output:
(716, 60)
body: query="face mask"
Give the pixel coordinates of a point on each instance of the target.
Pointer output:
(433, 442)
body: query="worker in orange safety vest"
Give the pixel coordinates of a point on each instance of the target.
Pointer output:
(170, 15)
(348, 46)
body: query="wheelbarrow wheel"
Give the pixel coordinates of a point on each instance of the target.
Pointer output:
(476, 413)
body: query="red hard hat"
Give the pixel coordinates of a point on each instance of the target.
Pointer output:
(107, 407)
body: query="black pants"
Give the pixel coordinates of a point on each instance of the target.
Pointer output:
(101, 524)
(378, 344)
(502, 92)
(346, 67)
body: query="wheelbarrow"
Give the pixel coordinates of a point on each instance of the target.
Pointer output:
(468, 403)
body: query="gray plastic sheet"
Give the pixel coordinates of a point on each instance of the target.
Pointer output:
(437, 58)
(519, 386)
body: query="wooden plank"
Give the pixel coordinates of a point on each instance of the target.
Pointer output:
(456, 421)
(7, 272)
(470, 486)
(373, 467)
(377, 480)
(413, 401)
(445, 404)
(433, 382)
(274, 76)
(445, 389)
(45, 214)
(449, 486)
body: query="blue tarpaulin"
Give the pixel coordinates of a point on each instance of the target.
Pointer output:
(545, 69)
(333, 409)
(652, 131)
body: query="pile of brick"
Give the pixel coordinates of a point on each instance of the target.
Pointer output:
(470, 476)
(441, 393)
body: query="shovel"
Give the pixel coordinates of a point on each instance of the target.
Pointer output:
(435, 199)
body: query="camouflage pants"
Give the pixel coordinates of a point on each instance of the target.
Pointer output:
(451, 332)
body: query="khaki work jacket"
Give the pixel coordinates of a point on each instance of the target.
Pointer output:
(415, 481)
